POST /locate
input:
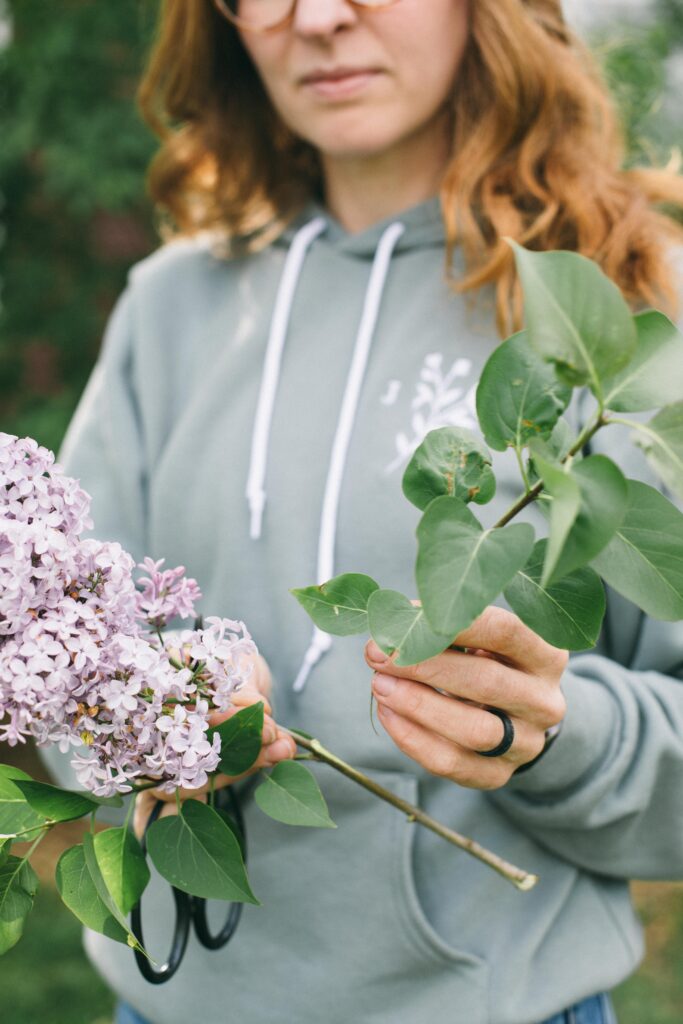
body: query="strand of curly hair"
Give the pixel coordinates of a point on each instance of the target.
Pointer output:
(538, 154)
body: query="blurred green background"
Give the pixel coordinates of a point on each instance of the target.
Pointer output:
(74, 217)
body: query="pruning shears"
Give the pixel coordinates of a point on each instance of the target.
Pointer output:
(190, 910)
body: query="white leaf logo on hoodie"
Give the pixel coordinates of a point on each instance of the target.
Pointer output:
(441, 400)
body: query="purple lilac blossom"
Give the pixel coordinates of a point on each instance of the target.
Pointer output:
(82, 660)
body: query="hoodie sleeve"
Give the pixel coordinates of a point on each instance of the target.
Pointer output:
(104, 444)
(608, 795)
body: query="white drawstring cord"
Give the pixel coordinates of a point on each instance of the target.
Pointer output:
(320, 641)
(256, 493)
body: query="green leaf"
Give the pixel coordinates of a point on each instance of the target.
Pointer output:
(102, 890)
(568, 614)
(519, 396)
(603, 502)
(398, 625)
(56, 804)
(16, 815)
(662, 441)
(197, 852)
(290, 794)
(644, 560)
(79, 894)
(123, 866)
(576, 316)
(555, 448)
(107, 801)
(449, 461)
(462, 568)
(654, 376)
(240, 739)
(5, 847)
(340, 605)
(9, 771)
(18, 886)
(564, 509)
(234, 828)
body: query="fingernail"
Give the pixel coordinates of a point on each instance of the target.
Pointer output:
(278, 750)
(375, 653)
(384, 685)
(269, 734)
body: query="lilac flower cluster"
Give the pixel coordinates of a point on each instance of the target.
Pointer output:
(83, 660)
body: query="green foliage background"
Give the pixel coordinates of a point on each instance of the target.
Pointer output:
(73, 152)
(73, 218)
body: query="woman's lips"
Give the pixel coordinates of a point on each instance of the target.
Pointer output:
(341, 86)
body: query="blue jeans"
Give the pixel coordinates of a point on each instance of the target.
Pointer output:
(596, 1010)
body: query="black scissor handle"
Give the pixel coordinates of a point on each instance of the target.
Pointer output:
(199, 916)
(189, 909)
(181, 931)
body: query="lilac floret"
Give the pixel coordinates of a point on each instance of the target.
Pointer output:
(82, 660)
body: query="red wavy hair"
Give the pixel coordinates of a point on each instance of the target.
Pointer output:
(538, 153)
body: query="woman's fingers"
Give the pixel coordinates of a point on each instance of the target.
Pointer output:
(499, 633)
(244, 697)
(483, 680)
(146, 801)
(261, 677)
(442, 757)
(503, 633)
(279, 747)
(470, 727)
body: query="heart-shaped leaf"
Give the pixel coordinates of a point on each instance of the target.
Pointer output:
(396, 624)
(654, 376)
(567, 614)
(290, 794)
(644, 560)
(462, 568)
(123, 866)
(603, 504)
(519, 397)
(450, 461)
(55, 804)
(18, 886)
(339, 606)
(197, 852)
(662, 441)
(79, 894)
(240, 739)
(576, 316)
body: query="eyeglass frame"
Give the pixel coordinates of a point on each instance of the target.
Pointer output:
(264, 29)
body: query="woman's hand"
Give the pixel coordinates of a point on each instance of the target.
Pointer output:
(507, 666)
(278, 745)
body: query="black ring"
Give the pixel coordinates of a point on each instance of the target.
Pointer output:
(508, 735)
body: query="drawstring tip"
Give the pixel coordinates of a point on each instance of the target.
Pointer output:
(256, 506)
(300, 680)
(318, 646)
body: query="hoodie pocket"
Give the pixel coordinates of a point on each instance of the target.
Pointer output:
(340, 935)
(424, 935)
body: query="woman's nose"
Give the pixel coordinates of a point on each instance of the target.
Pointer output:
(323, 17)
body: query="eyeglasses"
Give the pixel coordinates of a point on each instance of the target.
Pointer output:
(269, 15)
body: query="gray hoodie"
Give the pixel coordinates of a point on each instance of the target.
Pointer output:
(250, 418)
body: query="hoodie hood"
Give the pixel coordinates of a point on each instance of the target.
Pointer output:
(423, 227)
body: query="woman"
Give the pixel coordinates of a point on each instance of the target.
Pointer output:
(341, 173)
